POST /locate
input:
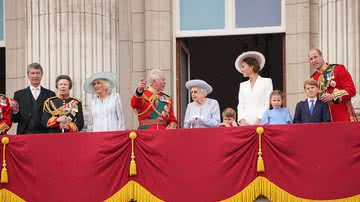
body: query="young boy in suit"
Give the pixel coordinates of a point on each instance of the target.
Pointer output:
(311, 110)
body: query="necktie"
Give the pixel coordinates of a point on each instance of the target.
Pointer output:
(312, 105)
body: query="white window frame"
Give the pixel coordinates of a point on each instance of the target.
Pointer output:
(230, 27)
(2, 42)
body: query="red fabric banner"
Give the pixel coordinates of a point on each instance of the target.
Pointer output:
(308, 161)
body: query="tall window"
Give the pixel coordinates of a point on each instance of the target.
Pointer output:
(257, 13)
(229, 17)
(202, 14)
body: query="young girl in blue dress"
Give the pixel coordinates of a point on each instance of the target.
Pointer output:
(277, 114)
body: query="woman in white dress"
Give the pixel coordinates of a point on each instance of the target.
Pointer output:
(254, 93)
(203, 112)
(105, 106)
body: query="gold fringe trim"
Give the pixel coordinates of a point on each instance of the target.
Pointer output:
(274, 193)
(133, 190)
(8, 196)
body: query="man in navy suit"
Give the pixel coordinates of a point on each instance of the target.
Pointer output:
(311, 110)
(30, 101)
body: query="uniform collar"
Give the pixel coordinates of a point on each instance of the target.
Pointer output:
(151, 89)
(324, 67)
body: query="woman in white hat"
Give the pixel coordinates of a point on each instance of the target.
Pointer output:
(203, 112)
(105, 106)
(254, 93)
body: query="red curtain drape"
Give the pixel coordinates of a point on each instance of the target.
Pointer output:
(307, 161)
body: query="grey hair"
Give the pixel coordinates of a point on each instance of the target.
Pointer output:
(201, 90)
(155, 74)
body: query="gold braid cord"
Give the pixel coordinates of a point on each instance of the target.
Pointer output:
(4, 174)
(338, 94)
(260, 162)
(152, 100)
(3, 128)
(52, 108)
(132, 170)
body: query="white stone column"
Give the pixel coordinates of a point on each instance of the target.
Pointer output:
(15, 48)
(15, 45)
(79, 38)
(158, 38)
(301, 34)
(340, 39)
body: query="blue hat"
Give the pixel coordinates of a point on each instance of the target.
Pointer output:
(200, 84)
(110, 77)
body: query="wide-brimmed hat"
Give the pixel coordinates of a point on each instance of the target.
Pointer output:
(250, 54)
(110, 77)
(200, 84)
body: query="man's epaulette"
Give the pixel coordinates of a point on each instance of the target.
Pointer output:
(75, 99)
(312, 76)
(51, 98)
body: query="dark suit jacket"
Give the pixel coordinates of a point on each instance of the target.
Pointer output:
(320, 114)
(23, 98)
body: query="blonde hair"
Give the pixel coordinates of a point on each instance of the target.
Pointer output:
(106, 83)
(229, 113)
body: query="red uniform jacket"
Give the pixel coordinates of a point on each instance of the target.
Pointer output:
(336, 80)
(154, 110)
(5, 114)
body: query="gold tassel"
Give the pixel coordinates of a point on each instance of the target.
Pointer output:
(132, 167)
(260, 165)
(132, 137)
(4, 174)
(260, 161)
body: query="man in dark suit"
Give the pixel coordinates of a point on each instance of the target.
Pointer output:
(30, 101)
(312, 110)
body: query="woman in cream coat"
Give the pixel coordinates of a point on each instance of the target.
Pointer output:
(254, 93)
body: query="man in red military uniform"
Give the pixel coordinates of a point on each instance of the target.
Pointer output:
(336, 85)
(5, 114)
(154, 108)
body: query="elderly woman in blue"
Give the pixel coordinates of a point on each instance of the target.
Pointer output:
(203, 112)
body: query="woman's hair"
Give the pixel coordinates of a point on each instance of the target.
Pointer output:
(66, 77)
(106, 83)
(229, 112)
(254, 63)
(155, 74)
(277, 93)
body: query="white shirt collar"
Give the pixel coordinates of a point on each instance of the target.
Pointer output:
(33, 88)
